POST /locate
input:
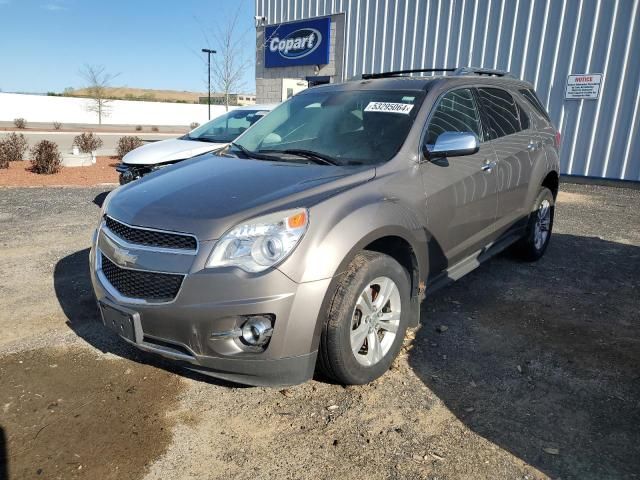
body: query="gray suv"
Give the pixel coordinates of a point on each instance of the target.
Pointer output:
(309, 243)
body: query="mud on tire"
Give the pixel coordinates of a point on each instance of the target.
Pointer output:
(336, 357)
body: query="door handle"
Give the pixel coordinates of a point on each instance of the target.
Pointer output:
(488, 165)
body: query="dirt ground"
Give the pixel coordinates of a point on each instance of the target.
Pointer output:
(19, 174)
(536, 375)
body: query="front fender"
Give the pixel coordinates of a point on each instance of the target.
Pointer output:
(337, 233)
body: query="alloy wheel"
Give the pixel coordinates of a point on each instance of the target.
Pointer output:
(375, 321)
(542, 225)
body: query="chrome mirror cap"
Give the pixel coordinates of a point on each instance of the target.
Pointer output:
(453, 144)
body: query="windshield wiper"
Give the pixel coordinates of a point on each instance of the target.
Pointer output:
(254, 155)
(311, 155)
(205, 139)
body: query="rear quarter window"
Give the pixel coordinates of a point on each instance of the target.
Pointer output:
(531, 97)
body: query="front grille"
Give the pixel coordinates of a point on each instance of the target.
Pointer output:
(151, 238)
(139, 284)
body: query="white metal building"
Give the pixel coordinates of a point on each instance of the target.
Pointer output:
(542, 41)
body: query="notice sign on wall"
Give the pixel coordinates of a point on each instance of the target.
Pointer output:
(585, 86)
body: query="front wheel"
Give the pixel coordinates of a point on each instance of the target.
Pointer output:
(533, 244)
(367, 320)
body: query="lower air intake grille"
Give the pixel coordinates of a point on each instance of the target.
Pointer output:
(141, 285)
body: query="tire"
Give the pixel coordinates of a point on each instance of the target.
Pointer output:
(531, 246)
(349, 319)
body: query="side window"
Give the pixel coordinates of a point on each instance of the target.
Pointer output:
(532, 98)
(456, 112)
(500, 112)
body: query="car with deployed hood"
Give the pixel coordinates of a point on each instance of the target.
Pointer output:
(205, 138)
(310, 241)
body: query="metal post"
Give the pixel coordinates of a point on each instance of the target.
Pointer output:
(209, 52)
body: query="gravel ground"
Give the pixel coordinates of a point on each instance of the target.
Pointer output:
(535, 375)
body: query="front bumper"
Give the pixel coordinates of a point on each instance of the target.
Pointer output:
(130, 172)
(213, 301)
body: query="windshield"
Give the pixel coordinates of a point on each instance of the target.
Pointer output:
(347, 127)
(227, 127)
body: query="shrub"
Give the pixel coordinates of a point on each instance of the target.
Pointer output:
(20, 122)
(4, 158)
(45, 158)
(57, 125)
(154, 129)
(194, 125)
(13, 148)
(138, 128)
(87, 142)
(126, 144)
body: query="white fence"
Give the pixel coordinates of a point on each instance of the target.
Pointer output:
(38, 108)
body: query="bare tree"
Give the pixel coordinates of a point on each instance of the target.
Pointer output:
(98, 81)
(231, 61)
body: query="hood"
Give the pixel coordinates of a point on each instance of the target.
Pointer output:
(210, 194)
(168, 150)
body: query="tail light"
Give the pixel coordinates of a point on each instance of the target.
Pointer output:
(558, 139)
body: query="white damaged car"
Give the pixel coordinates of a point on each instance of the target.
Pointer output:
(208, 137)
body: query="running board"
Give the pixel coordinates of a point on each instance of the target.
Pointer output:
(469, 264)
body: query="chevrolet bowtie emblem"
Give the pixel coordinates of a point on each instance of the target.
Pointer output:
(124, 257)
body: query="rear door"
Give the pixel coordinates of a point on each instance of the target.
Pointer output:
(516, 143)
(461, 191)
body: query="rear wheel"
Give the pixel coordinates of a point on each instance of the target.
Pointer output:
(533, 244)
(367, 320)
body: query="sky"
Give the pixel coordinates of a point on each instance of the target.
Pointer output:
(150, 44)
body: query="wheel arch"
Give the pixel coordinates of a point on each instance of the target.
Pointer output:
(552, 182)
(396, 242)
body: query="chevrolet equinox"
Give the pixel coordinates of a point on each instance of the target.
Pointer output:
(310, 241)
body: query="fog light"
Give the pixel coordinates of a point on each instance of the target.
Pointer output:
(257, 331)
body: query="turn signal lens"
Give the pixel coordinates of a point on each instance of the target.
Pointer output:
(298, 220)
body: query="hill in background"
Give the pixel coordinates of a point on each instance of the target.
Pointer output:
(145, 94)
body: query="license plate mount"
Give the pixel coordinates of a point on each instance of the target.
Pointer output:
(118, 321)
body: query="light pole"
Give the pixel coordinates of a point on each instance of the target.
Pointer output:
(209, 52)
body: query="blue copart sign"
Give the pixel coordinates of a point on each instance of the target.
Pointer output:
(299, 43)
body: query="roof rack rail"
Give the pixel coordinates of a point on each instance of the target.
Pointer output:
(455, 71)
(482, 71)
(368, 76)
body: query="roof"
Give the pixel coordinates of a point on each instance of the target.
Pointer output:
(415, 82)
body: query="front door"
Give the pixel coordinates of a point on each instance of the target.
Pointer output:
(461, 191)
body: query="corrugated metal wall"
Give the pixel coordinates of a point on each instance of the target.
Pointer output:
(539, 40)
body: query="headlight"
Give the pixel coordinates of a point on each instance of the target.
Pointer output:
(260, 243)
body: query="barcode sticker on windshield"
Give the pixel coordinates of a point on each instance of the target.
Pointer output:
(388, 107)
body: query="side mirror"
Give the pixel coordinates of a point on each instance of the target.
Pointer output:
(453, 144)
